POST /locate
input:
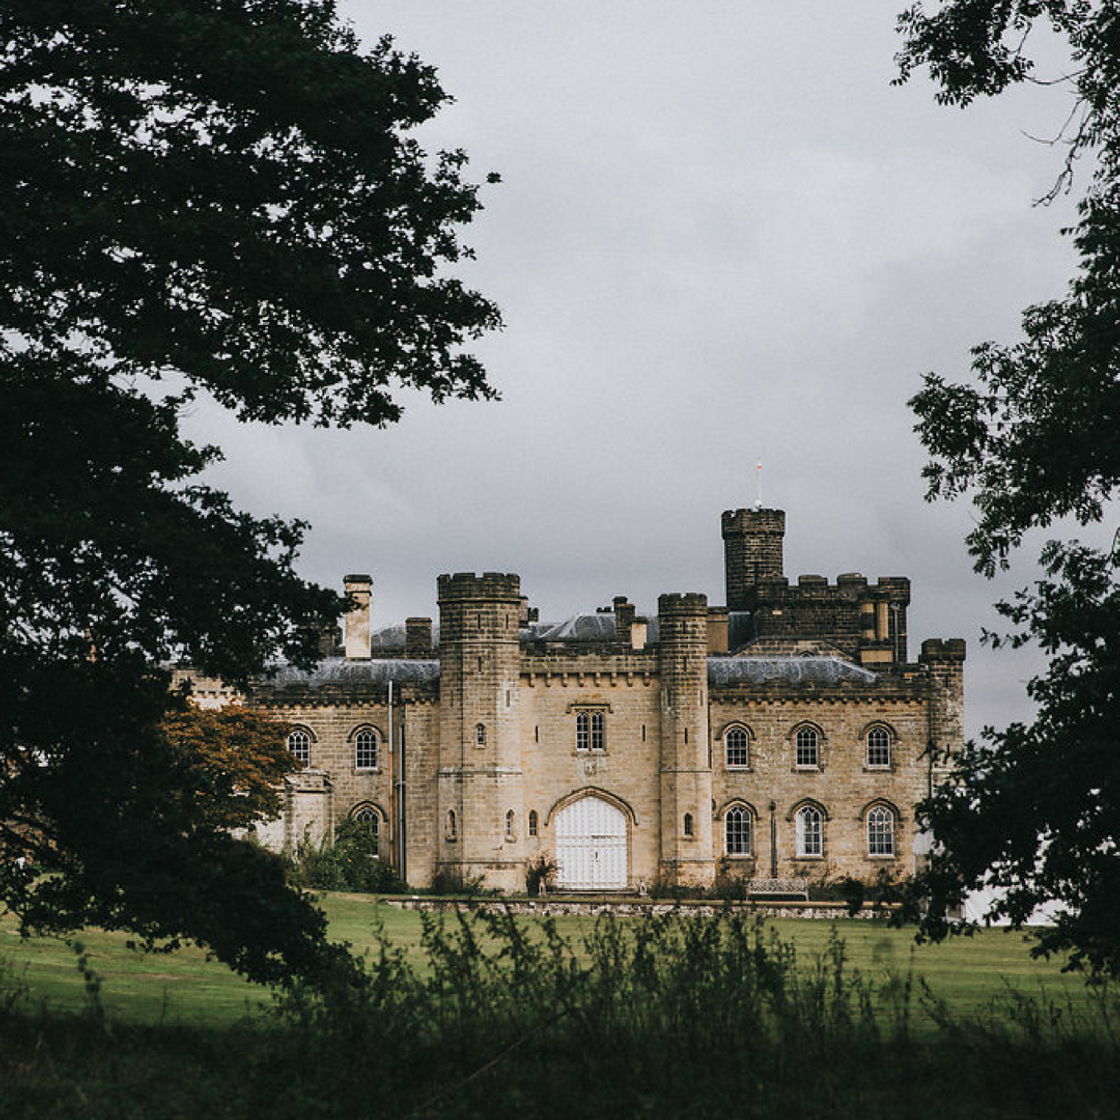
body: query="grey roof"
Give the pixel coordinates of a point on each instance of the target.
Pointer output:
(593, 627)
(791, 670)
(598, 627)
(338, 670)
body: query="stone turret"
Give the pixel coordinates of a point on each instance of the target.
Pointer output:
(686, 771)
(480, 777)
(752, 551)
(944, 660)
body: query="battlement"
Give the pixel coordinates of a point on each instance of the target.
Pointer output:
(492, 586)
(689, 603)
(768, 521)
(849, 585)
(943, 649)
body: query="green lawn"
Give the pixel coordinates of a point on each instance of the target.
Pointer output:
(185, 987)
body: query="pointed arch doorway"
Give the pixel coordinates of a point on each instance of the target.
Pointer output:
(591, 846)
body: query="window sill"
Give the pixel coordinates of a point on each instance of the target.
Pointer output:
(806, 769)
(813, 859)
(739, 855)
(881, 856)
(738, 769)
(367, 769)
(867, 769)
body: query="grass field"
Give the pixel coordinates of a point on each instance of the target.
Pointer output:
(185, 987)
(674, 1016)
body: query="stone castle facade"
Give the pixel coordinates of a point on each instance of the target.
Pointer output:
(786, 734)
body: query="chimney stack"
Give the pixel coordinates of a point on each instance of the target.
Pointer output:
(359, 588)
(623, 619)
(417, 637)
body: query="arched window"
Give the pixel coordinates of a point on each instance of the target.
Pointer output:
(533, 827)
(809, 831)
(368, 817)
(451, 830)
(590, 731)
(299, 743)
(510, 819)
(480, 735)
(879, 748)
(365, 749)
(737, 830)
(737, 748)
(807, 747)
(688, 824)
(880, 831)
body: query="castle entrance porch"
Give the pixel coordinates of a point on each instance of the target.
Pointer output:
(591, 846)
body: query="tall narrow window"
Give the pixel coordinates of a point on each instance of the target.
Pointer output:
(807, 747)
(365, 750)
(878, 748)
(533, 822)
(510, 818)
(808, 828)
(880, 831)
(299, 743)
(688, 824)
(590, 728)
(737, 830)
(480, 735)
(368, 818)
(451, 829)
(737, 748)
(597, 743)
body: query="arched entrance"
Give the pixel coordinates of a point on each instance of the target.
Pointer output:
(591, 846)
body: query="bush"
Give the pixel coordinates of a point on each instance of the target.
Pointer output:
(348, 863)
(539, 873)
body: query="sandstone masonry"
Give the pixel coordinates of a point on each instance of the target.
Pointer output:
(784, 734)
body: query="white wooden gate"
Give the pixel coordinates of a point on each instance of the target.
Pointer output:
(591, 846)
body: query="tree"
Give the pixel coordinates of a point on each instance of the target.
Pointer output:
(196, 196)
(1034, 437)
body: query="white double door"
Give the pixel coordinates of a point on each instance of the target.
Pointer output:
(591, 846)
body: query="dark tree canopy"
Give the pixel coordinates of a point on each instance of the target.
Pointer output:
(1031, 438)
(215, 196)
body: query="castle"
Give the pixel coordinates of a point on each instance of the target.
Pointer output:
(786, 734)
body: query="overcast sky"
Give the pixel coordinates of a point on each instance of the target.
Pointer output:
(721, 236)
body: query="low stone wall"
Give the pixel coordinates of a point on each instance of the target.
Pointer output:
(592, 906)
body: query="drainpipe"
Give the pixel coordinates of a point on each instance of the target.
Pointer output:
(402, 846)
(773, 843)
(395, 844)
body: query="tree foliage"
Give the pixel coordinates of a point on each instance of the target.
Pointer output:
(196, 196)
(1034, 437)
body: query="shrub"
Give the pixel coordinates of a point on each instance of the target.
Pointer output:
(539, 873)
(349, 862)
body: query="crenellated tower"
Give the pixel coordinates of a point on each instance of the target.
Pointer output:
(686, 768)
(752, 551)
(480, 775)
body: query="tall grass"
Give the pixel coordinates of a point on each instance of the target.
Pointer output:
(669, 1015)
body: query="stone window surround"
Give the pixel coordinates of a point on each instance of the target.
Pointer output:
(878, 807)
(892, 740)
(378, 738)
(304, 736)
(821, 745)
(796, 815)
(731, 728)
(746, 815)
